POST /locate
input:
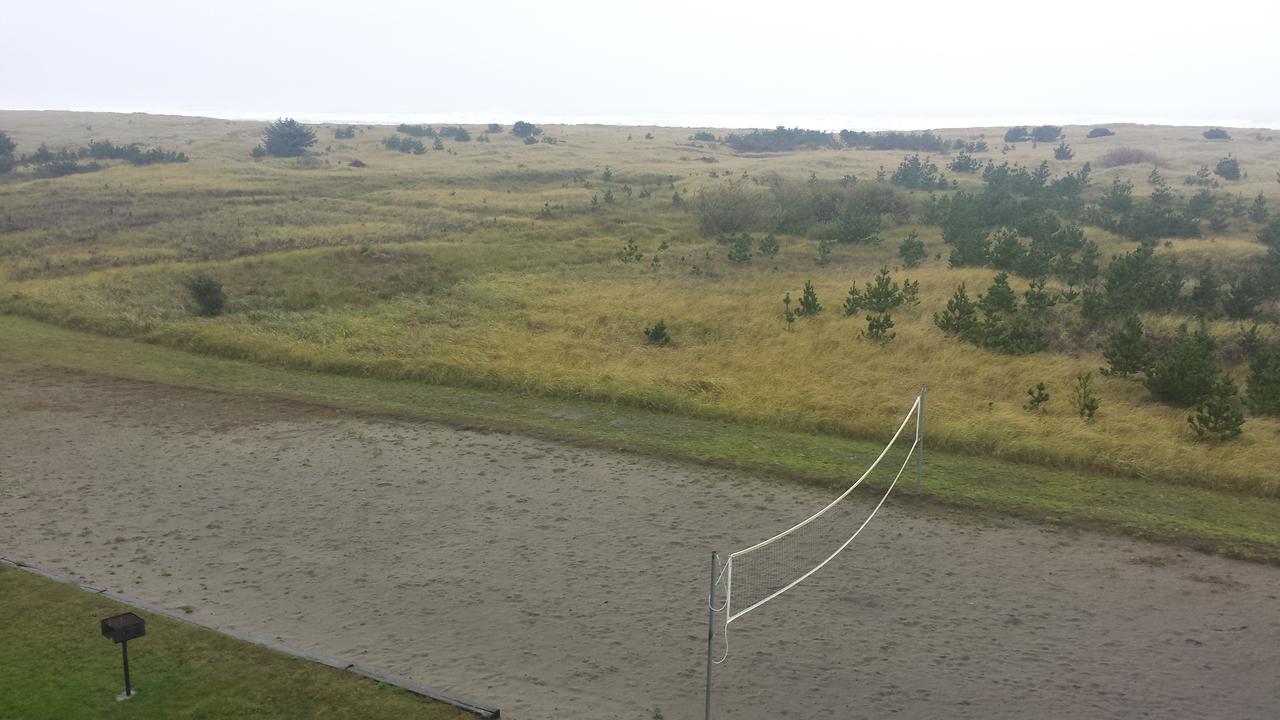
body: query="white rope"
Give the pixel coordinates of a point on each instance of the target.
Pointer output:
(841, 548)
(731, 616)
(723, 570)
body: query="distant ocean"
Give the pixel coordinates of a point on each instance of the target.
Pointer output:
(829, 122)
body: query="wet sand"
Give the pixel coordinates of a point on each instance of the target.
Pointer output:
(557, 581)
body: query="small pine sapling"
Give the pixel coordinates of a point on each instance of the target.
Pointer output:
(809, 305)
(1218, 417)
(1086, 401)
(657, 335)
(1039, 396)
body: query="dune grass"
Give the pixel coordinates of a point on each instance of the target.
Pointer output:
(55, 665)
(486, 266)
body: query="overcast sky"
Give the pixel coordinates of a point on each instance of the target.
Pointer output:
(848, 63)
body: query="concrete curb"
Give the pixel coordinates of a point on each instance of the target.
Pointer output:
(430, 693)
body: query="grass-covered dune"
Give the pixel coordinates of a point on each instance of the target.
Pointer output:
(535, 268)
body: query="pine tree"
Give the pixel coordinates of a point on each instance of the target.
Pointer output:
(1039, 396)
(287, 137)
(1207, 293)
(1218, 416)
(1264, 382)
(1086, 401)
(809, 305)
(960, 317)
(1127, 350)
(1185, 375)
(1258, 211)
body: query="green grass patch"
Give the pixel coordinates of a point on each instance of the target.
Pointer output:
(55, 665)
(1230, 524)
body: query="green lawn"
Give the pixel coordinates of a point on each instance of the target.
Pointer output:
(1236, 525)
(55, 665)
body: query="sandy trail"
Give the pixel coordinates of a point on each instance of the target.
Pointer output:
(556, 581)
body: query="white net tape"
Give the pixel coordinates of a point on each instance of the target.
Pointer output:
(760, 573)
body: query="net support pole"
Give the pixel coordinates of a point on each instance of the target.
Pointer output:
(920, 443)
(711, 630)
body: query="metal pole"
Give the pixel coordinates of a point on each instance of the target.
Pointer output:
(920, 444)
(711, 630)
(124, 649)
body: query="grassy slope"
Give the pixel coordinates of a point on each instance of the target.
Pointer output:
(55, 665)
(442, 268)
(1239, 526)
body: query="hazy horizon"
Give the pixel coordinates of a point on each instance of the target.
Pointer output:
(715, 64)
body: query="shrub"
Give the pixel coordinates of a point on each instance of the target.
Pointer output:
(1100, 132)
(964, 163)
(917, 174)
(493, 128)
(891, 140)
(727, 209)
(1128, 156)
(780, 139)
(1017, 134)
(1186, 373)
(418, 131)
(703, 136)
(1046, 133)
(207, 294)
(1218, 417)
(1264, 382)
(1216, 134)
(1039, 396)
(631, 252)
(911, 250)
(1127, 350)
(740, 252)
(344, 133)
(1063, 151)
(60, 168)
(8, 148)
(1258, 210)
(1270, 235)
(404, 145)
(1228, 167)
(525, 130)
(287, 137)
(769, 245)
(960, 317)
(882, 296)
(1085, 400)
(657, 335)
(879, 329)
(258, 152)
(809, 305)
(1119, 197)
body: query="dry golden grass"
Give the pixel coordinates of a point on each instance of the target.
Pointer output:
(441, 268)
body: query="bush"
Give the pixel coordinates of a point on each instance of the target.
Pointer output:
(418, 131)
(525, 130)
(493, 128)
(405, 145)
(740, 252)
(60, 168)
(457, 133)
(287, 137)
(780, 139)
(1128, 156)
(1186, 373)
(1228, 167)
(1218, 417)
(890, 140)
(703, 136)
(1017, 134)
(1046, 133)
(727, 209)
(1100, 132)
(917, 174)
(7, 150)
(344, 133)
(1258, 210)
(911, 250)
(769, 245)
(1216, 134)
(809, 305)
(1063, 151)
(879, 329)
(1270, 235)
(657, 335)
(1039, 396)
(1264, 382)
(207, 294)
(964, 163)
(882, 296)
(1085, 400)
